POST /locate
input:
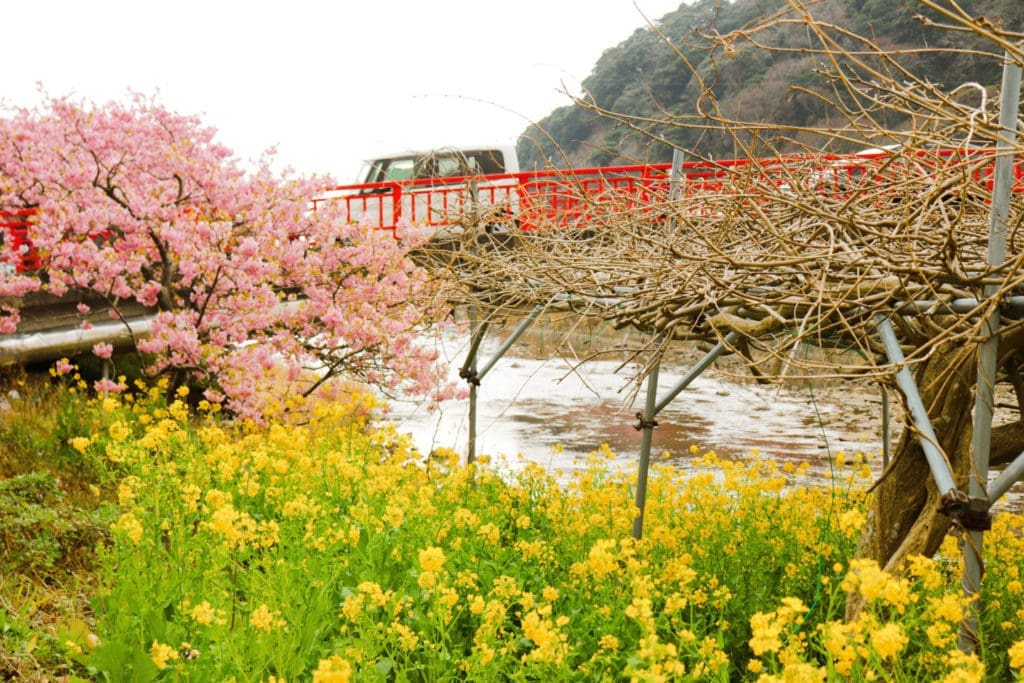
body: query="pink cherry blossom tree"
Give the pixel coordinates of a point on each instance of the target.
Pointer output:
(140, 204)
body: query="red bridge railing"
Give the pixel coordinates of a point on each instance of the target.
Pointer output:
(590, 196)
(15, 226)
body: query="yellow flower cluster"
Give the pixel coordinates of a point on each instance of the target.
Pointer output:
(867, 578)
(334, 669)
(266, 620)
(550, 644)
(162, 654)
(130, 525)
(431, 559)
(203, 614)
(768, 628)
(410, 564)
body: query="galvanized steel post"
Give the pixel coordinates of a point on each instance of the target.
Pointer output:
(976, 518)
(929, 442)
(476, 333)
(646, 425)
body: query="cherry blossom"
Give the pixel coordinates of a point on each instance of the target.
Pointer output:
(136, 203)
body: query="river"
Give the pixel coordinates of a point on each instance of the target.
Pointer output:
(540, 404)
(556, 410)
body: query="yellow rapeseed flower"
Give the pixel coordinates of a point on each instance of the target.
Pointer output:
(223, 520)
(352, 608)
(876, 584)
(203, 613)
(263, 619)
(601, 558)
(431, 559)
(851, 522)
(407, 638)
(334, 669)
(80, 443)
(799, 672)
(925, 569)
(889, 640)
(476, 605)
(1016, 653)
(127, 490)
(427, 579)
(130, 525)
(948, 607)
(964, 668)
(490, 532)
(448, 597)
(162, 654)
(940, 634)
(119, 430)
(550, 643)
(216, 499)
(765, 633)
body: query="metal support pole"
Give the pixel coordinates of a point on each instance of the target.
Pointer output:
(1013, 473)
(701, 365)
(676, 175)
(886, 411)
(647, 422)
(652, 407)
(521, 328)
(929, 443)
(977, 518)
(647, 425)
(468, 372)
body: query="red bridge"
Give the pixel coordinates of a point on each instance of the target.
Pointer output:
(589, 196)
(580, 197)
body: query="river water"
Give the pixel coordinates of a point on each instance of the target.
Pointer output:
(540, 404)
(554, 410)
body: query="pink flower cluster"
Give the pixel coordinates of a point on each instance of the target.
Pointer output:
(141, 204)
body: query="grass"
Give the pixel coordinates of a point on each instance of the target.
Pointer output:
(154, 541)
(52, 516)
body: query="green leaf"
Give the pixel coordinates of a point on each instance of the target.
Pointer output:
(384, 666)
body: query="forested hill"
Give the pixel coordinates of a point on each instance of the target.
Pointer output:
(645, 76)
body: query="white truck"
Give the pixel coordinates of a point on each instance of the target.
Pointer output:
(434, 189)
(447, 162)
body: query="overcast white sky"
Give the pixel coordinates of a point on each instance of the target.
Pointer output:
(328, 83)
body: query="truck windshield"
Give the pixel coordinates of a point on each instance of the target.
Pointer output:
(391, 169)
(440, 164)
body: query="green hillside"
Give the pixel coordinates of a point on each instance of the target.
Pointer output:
(656, 75)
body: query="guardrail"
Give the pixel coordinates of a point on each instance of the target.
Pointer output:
(590, 196)
(15, 225)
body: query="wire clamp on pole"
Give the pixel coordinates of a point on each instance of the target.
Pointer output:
(470, 376)
(954, 503)
(644, 424)
(976, 516)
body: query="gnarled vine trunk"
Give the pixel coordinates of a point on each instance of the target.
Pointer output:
(907, 516)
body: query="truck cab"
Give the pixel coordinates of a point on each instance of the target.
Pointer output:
(438, 164)
(436, 189)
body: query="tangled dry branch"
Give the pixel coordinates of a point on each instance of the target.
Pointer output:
(795, 249)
